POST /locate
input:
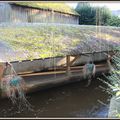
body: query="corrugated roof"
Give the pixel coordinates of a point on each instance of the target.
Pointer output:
(60, 7)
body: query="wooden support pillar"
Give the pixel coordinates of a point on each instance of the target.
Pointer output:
(68, 65)
(1, 70)
(109, 62)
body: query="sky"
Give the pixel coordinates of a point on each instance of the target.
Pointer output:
(111, 5)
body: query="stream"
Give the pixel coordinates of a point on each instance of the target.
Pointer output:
(71, 100)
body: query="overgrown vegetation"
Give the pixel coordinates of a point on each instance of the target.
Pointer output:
(115, 74)
(92, 15)
(50, 40)
(103, 16)
(114, 21)
(113, 80)
(96, 15)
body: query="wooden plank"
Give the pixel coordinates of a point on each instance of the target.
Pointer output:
(87, 53)
(68, 64)
(1, 70)
(59, 71)
(62, 71)
(44, 73)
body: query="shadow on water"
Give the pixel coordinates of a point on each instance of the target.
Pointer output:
(71, 100)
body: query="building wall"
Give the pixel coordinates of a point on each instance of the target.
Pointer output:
(5, 11)
(22, 14)
(18, 14)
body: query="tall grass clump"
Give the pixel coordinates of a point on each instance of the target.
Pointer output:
(113, 79)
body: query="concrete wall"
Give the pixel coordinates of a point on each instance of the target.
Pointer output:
(42, 64)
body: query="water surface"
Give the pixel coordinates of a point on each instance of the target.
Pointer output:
(71, 100)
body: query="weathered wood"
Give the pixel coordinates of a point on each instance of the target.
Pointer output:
(61, 79)
(58, 71)
(1, 70)
(39, 81)
(68, 65)
(16, 13)
(90, 53)
(71, 62)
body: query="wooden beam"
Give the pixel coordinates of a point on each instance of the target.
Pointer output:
(78, 68)
(1, 71)
(76, 57)
(68, 64)
(87, 53)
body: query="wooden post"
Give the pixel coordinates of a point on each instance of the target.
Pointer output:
(1, 70)
(109, 62)
(68, 65)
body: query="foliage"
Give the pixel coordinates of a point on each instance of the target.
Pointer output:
(113, 80)
(103, 14)
(115, 74)
(61, 7)
(87, 14)
(114, 21)
(92, 15)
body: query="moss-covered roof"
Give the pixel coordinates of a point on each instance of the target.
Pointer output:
(33, 41)
(60, 7)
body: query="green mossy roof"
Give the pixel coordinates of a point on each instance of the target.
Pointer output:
(51, 40)
(60, 7)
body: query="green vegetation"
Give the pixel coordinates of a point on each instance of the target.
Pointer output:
(50, 40)
(61, 7)
(114, 21)
(113, 81)
(92, 15)
(102, 16)
(96, 15)
(114, 78)
(87, 14)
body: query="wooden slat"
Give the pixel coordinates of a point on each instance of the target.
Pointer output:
(57, 70)
(68, 64)
(78, 69)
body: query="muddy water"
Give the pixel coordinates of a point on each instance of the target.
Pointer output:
(71, 100)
